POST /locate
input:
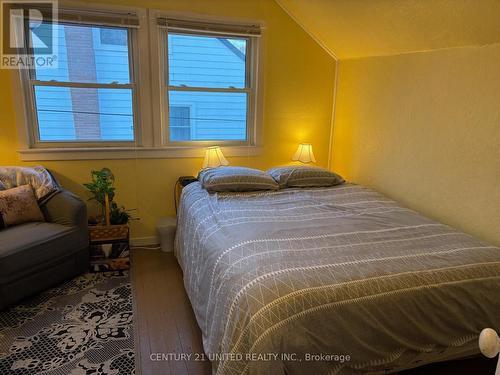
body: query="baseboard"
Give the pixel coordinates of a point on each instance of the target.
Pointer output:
(145, 241)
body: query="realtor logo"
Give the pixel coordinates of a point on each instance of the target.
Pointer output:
(29, 34)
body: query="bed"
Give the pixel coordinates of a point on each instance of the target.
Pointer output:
(338, 280)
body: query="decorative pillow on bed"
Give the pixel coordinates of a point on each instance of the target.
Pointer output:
(304, 176)
(18, 205)
(223, 179)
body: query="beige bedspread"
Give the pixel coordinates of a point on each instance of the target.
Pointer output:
(335, 280)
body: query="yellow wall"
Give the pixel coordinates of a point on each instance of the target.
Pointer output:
(298, 91)
(424, 128)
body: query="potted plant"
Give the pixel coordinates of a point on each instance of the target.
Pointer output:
(103, 192)
(109, 234)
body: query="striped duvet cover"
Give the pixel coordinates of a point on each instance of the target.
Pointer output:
(337, 280)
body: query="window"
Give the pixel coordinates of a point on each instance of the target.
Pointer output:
(209, 83)
(89, 97)
(131, 80)
(111, 37)
(180, 122)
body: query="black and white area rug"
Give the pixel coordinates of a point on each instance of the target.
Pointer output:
(82, 327)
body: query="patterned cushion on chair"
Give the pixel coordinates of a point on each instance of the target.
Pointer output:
(19, 205)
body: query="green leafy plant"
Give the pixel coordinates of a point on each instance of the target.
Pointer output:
(102, 185)
(119, 215)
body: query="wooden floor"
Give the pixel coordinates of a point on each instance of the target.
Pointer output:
(164, 319)
(165, 324)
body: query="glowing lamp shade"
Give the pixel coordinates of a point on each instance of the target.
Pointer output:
(304, 154)
(214, 158)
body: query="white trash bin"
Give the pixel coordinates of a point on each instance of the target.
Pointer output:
(166, 229)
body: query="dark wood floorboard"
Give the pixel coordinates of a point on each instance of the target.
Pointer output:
(164, 319)
(165, 323)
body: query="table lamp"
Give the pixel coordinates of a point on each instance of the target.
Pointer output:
(304, 154)
(214, 158)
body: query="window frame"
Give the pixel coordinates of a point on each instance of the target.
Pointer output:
(29, 84)
(251, 86)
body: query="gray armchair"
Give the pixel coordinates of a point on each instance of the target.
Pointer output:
(35, 256)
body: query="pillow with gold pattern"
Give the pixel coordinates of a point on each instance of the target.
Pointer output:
(18, 205)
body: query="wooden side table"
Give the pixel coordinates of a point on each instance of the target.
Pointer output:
(109, 247)
(181, 183)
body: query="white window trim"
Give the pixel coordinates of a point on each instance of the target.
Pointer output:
(149, 142)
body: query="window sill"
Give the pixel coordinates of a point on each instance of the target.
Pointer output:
(108, 153)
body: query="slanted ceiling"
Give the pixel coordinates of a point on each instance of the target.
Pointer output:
(362, 28)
